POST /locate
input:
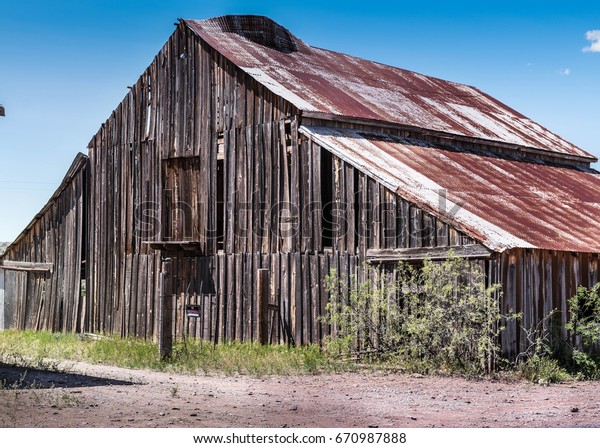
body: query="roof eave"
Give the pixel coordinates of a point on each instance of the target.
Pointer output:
(559, 157)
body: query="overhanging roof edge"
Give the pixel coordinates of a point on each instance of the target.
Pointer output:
(497, 239)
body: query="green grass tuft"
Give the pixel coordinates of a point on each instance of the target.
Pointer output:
(35, 349)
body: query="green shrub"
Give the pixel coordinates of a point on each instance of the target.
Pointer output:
(364, 316)
(584, 325)
(440, 317)
(542, 369)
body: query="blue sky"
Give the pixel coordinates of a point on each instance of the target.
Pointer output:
(65, 65)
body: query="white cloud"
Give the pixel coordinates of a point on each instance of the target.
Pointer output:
(594, 37)
(564, 71)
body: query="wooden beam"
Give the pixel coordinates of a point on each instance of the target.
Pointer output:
(422, 253)
(27, 266)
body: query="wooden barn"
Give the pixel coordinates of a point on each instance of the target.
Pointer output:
(244, 160)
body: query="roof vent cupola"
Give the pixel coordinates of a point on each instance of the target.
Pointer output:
(260, 30)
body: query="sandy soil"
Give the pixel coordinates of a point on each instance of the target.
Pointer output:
(103, 396)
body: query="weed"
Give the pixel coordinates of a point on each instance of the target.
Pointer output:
(61, 398)
(543, 370)
(438, 318)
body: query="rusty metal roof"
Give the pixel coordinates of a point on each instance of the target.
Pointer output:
(502, 203)
(323, 81)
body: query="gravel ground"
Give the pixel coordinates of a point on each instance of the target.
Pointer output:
(103, 396)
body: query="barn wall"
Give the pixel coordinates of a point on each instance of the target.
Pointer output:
(536, 282)
(153, 167)
(224, 286)
(364, 215)
(50, 300)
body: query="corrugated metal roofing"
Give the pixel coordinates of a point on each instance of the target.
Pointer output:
(502, 203)
(324, 81)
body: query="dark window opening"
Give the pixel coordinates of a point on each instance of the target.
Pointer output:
(327, 203)
(357, 210)
(220, 204)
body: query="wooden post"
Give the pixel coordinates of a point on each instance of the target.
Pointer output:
(165, 316)
(2, 299)
(263, 305)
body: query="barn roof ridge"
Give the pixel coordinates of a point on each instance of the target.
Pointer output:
(329, 84)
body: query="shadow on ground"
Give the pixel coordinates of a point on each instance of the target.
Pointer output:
(16, 377)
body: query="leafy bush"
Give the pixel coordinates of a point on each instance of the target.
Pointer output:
(439, 317)
(584, 325)
(364, 316)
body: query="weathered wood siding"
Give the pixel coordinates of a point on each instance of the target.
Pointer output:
(153, 169)
(50, 300)
(366, 215)
(224, 286)
(536, 282)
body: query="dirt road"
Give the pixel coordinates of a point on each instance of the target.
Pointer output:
(103, 396)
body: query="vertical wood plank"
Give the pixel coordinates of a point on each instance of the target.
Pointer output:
(263, 290)
(165, 323)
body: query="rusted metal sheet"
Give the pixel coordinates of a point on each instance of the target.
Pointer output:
(502, 203)
(322, 81)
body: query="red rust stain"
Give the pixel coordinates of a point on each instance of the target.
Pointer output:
(345, 85)
(548, 207)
